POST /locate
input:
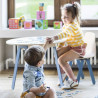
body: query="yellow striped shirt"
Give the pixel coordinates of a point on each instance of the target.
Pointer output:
(73, 33)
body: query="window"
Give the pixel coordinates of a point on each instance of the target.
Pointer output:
(86, 19)
(28, 8)
(89, 9)
(89, 12)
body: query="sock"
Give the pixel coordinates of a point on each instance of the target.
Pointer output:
(63, 75)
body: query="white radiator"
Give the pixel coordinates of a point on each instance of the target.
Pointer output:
(49, 58)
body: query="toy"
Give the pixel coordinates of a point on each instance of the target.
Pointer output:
(27, 24)
(15, 23)
(41, 24)
(45, 24)
(41, 6)
(40, 15)
(41, 12)
(57, 24)
(22, 19)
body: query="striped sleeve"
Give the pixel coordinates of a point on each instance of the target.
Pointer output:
(66, 33)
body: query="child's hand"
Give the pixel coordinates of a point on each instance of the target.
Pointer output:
(49, 40)
(42, 88)
(55, 37)
(48, 43)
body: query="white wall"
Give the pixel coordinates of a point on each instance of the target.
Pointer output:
(3, 13)
(0, 13)
(3, 24)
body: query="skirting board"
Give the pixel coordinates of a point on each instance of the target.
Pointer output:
(54, 66)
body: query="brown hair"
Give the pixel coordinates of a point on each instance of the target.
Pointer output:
(74, 9)
(33, 55)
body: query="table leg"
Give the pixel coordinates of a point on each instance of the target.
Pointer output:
(16, 64)
(58, 67)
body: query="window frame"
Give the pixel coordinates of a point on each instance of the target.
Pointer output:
(11, 11)
(57, 13)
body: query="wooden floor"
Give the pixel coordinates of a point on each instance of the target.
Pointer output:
(84, 90)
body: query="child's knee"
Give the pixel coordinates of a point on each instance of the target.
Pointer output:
(51, 91)
(61, 60)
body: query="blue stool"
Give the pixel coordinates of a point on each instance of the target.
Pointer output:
(80, 67)
(89, 38)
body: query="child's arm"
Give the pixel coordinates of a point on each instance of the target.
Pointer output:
(66, 33)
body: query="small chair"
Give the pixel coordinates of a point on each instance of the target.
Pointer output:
(89, 38)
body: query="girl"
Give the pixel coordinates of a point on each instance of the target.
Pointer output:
(75, 46)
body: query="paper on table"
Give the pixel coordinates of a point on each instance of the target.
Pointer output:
(32, 41)
(60, 41)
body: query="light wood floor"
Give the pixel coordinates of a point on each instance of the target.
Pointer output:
(84, 90)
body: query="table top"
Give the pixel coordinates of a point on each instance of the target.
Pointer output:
(31, 41)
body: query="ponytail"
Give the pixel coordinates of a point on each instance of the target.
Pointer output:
(77, 6)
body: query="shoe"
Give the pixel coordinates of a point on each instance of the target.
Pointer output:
(64, 76)
(70, 84)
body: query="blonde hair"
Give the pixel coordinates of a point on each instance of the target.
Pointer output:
(74, 9)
